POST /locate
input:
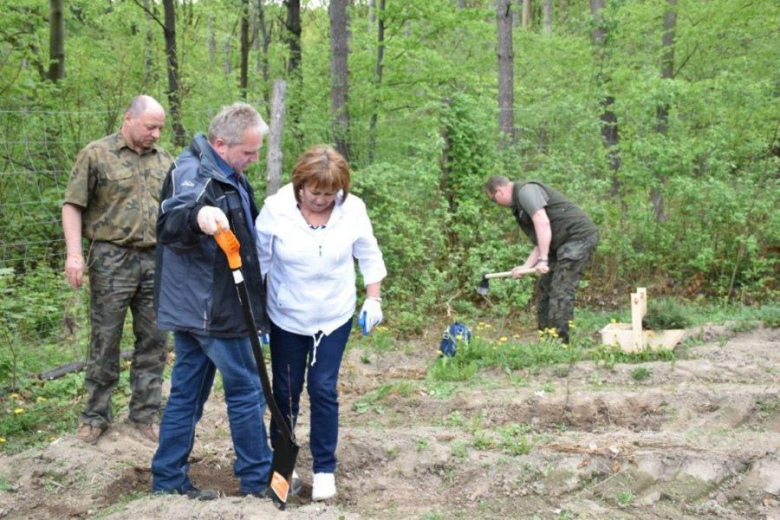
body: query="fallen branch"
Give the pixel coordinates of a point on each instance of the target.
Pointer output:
(76, 366)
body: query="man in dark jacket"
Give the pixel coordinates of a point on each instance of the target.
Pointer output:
(206, 191)
(564, 239)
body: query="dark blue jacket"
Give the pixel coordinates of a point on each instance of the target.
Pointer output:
(194, 289)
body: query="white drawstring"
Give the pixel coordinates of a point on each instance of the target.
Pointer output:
(316, 344)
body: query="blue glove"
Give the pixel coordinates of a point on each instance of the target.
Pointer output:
(370, 314)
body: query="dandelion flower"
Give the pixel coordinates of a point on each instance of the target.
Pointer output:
(15, 396)
(2, 440)
(503, 339)
(17, 411)
(613, 320)
(41, 400)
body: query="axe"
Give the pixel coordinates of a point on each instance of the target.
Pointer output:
(484, 285)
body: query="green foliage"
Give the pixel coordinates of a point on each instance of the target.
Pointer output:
(504, 354)
(608, 355)
(39, 414)
(33, 307)
(422, 166)
(372, 400)
(641, 373)
(625, 498)
(665, 313)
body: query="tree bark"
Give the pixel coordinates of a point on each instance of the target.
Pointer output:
(243, 79)
(262, 60)
(274, 156)
(506, 84)
(56, 41)
(149, 75)
(526, 14)
(294, 74)
(662, 112)
(609, 123)
(174, 86)
(380, 54)
(547, 17)
(339, 74)
(293, 35)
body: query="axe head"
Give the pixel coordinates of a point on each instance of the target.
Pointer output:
(484, 286)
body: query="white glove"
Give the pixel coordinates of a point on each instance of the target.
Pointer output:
(370, 315)
(212, 220)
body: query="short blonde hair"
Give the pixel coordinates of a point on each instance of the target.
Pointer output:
(323, 167)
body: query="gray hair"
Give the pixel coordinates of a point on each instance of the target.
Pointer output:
(233, 121)
(139, 104)
(495, 182)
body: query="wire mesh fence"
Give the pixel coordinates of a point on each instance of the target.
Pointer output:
(39, 312)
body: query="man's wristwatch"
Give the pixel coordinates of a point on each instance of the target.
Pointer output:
(543, 260)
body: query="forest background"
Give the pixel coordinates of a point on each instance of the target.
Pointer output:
(659, 118)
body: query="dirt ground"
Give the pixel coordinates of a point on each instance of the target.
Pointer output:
(696, 438)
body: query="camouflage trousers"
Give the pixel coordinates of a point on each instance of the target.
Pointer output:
(121, 277)
(558, 288)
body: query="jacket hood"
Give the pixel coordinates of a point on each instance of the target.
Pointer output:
(201, 148)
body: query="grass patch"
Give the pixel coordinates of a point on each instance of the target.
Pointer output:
(372, 400)
(641, 373)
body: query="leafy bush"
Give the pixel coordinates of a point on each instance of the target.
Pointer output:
(665, 313)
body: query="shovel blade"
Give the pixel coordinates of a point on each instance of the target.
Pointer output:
(484, 287)
(282, 466)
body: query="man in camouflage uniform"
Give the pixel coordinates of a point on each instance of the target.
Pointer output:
(112, 199)
(564, 239)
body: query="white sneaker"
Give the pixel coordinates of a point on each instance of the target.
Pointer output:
(323, 487)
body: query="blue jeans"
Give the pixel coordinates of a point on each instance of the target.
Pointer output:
(197, 358)
(290, 359)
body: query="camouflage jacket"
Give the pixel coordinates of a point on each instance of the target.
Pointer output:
(118, 190)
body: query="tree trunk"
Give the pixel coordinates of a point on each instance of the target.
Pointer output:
(262, 60)
(609, 124)
(244, 72)
(174, 87)
(506, 84)
(293, 35)
(526, 14)
(228, 66)
(149, 75)
(517, 13)
(56, 41)
(339, 74)
(380, 54)
(547, 17)
(294, 74)
(274, 156)
(662, 113)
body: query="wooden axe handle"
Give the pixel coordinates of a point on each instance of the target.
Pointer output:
(506, 274)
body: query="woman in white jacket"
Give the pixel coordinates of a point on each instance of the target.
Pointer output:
(310, 234)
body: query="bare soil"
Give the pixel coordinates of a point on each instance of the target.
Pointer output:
(696, 438)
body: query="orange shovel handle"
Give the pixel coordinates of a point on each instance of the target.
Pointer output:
(229, 244)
